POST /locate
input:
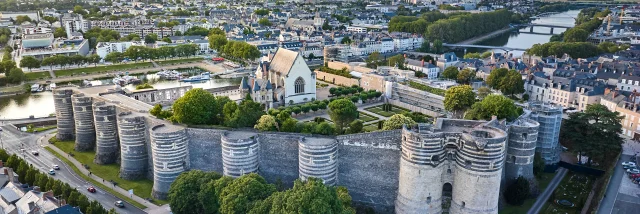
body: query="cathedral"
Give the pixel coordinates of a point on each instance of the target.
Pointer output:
(281, 79)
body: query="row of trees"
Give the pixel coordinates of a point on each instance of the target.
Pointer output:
(27, 174)
(12, 73)
(464, 76)
(209, 192)
(461, 101)
(453, 27)
(95, 35)
(59, 60)
(573, 49)
(136, 53)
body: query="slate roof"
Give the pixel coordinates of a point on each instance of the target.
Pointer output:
(283, 61)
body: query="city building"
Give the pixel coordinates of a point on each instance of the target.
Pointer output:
(44, 45)
(104, 48)
(293, 81)
(427, 68)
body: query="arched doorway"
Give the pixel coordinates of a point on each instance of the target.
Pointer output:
(447, 190)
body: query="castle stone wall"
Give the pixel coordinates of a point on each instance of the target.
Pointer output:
(107, 148)
(279, 157)
(85, 128)
(64, 114)
(169, 144)
(133, 146)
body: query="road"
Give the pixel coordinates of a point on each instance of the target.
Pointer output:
(544, 197)
(14, 141)
(622, 195)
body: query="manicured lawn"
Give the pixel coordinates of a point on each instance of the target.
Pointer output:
(176, 61)
(37, 75)
(543, 182)
(109, 172)
(371, 127)
(575, 188)
(394, 110)
(366, 117)
(41, 128)
(99, 69)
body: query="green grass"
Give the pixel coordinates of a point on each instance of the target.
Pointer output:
(394, 110)
(574, 187)
(543, 182)
(109, 172)
(366, 117)
(371, 127)
(41, 129)
(98, 184)
(37, 75)
(90, 69)
(176, 61)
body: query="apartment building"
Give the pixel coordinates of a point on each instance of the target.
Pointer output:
(44, 45)
(427, 68)
(104, 48)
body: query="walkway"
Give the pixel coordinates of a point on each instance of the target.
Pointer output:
(78, 165)
(544, 197)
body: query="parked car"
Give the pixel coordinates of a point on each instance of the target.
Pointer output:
(634, 176)
(633, 171)
(52, 172)
(119, 204)
(91, 189)
(629, 166)
(629, 163)
(34, 152)
(56, 167)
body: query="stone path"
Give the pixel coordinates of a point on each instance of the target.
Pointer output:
(78, 165)
(544, 197)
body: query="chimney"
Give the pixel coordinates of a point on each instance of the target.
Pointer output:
(10, 173)
(430, 61)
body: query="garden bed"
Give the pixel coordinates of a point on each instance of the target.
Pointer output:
(366, 117)
(575, 188)
(394, 110)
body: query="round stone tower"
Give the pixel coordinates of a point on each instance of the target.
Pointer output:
(317, 157)
(64, 114)
(169, 145)
(85, 128)
(106, 133)
(521, 148)
(239, 153)
(133, 146)
(420, 175)
(479, 164)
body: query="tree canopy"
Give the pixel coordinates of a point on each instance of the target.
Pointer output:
(197, 106)
(493, 105)
(509, 82)
(342, 112)
(450, 72)
(397, 121)
(594, 132)
(459, 98)
(517, 192)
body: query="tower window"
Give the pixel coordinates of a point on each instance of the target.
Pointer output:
(299, 85)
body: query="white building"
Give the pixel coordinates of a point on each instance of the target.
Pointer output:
(427, 68)
(104, 48)
(293, 81)
(356, 29)
(403, 43)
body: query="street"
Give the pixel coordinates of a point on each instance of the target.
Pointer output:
(622, 196)
(14, 141)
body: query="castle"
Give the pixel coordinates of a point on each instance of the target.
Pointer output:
(461, 164)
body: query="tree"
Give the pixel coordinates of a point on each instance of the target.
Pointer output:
(4, 156)
(114, 57)
(397, 121)
(242, 194)
(493, 105)
(594, 133)
(183, 192)
(437, 46)
(397, 60)
(15, 76)
(166, 39)
(450, 72)
(517, 192)
(538, 165)
(217, 31)
(466, 75)
(575, 35)
(151, 38)
(373, 59)
(324, 128)
(93, 59)
(59, 32)
(289, 125)
(266, 123)
(494, 79)
(196, 30)
(356, 126)
(512, 83)
(197, 106)
(459, 98)
(483, 92)
(310, 196)
(264, 22)
(50, 19)
(326, 26)
(216, 42)
(342, 112)
(261, 12)
(345, 40)
(21, 19)
(425, 47)
(29, 62)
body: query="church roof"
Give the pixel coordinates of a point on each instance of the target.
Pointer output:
(244, 84)
(283, 61)
(268, 87)
(256, 87)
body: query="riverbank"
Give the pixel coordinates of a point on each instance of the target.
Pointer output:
(201, 65)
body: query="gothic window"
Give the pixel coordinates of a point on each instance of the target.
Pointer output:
(299, 85)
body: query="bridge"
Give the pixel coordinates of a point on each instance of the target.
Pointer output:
(484, 47)
(541, 25)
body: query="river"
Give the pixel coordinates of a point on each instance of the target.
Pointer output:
(41, 104)
(523, 39)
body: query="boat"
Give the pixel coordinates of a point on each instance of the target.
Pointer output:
(131, 80)
(35, 87)
(198, 78)
(205, 76)
(169, 74)
(118, 81)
